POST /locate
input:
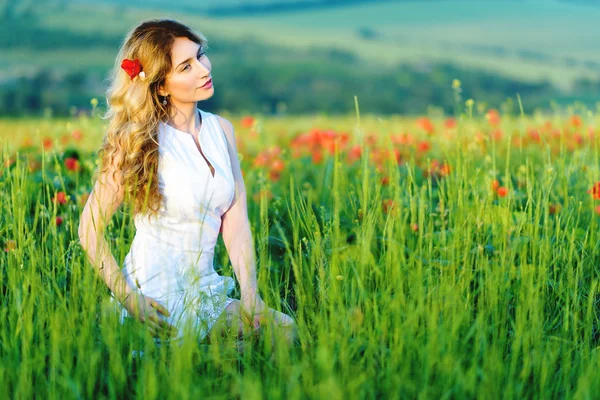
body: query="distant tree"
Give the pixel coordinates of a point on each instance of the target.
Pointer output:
(7, 9)
(60, 5)
(368, 33)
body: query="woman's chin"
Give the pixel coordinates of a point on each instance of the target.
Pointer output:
(207, 94)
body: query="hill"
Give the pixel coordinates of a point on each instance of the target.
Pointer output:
(532, 40)
(403, 48)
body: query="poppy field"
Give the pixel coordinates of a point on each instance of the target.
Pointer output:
(433, 257)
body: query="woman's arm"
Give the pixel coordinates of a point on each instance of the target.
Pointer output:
(235, 225)
(237, 237)
(105, 198)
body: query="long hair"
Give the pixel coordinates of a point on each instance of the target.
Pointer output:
(135, 109)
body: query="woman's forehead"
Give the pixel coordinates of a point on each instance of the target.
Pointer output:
(183, 49)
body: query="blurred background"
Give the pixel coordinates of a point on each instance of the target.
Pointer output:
(314, 56)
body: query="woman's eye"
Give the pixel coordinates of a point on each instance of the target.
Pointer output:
(199, 56)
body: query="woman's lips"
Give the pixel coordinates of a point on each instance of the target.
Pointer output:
(207, 84)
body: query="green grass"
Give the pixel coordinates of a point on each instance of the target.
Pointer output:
(485, 297)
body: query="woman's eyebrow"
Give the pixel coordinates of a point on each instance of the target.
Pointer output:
(185, 61)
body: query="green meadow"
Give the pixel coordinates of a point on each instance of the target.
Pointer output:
(427, 245)
(430, 257)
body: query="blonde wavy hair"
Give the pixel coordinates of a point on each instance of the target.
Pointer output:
(135, 109)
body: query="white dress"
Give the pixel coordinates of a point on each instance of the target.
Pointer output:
(171, 256)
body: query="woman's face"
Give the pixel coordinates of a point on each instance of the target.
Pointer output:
(190, 70)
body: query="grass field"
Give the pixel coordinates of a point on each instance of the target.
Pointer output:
(432, 258)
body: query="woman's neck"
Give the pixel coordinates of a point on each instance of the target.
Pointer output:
(185, 118)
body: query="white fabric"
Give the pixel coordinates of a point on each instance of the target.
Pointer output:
(171, 257)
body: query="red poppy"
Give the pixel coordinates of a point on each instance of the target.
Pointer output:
(595, 191)
(261, 159)
(575, 120)
(72, 164)
(397, 156)
(444, 169)
(423, 146)
(76, 134)
(274, 175)
(344, 137)
(317, 157)
(58, 221)
(330, 146)
(403, 138)
(274, 151)
(414, 227)
(502, 191)
(277, 165)
(132, 67)
(493, 117)
(426, 125)
(497, 134)
(371, 139)
(597, 209)
(534, 135)
(388, 205)
(247, 121)
(354, 153)
(60, 198)
(450, 123)
(47, 143)
(437, 169)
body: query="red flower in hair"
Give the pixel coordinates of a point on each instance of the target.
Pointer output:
(133, 68)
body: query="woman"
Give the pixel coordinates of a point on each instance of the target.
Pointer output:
(178, 167)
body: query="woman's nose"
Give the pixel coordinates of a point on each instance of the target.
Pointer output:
(204, 66)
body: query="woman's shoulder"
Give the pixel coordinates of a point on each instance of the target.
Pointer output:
(224, 122)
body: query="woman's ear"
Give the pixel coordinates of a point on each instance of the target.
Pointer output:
(162, 92)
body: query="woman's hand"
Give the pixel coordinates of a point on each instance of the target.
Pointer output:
(259, 313)
(254, 309)
(150, 312)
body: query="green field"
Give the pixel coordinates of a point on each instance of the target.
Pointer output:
(454, 255)
(430, 258)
